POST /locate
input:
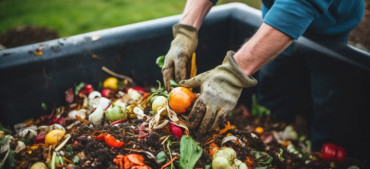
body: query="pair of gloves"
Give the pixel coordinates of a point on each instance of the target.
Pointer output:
(220, 87)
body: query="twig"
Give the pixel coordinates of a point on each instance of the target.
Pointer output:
(170, 162)
(106, 70)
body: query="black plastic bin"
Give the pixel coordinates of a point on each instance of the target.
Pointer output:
(27, 80)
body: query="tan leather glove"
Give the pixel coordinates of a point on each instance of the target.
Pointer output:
(220, 90)
(182, 47)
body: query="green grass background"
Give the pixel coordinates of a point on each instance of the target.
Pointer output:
(71, 17)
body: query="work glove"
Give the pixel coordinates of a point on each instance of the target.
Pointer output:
(182, 47)
(220, 90)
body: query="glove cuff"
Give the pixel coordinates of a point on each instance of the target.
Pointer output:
(245, 80)
(185, 29)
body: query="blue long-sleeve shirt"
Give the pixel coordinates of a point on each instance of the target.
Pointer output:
(325, 18)
(314, 18)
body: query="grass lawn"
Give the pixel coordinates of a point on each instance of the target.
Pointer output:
(71, 17)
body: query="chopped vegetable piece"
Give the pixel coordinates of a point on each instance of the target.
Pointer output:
(111, 141)
(176, 130)
(54, 136)
(161, 157)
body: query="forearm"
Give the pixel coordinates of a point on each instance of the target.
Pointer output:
(195, 12)
(263, 47)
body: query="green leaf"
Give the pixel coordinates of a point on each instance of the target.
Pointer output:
(4, 129)
(258, 110)
(160, 61)
(79, 87)
(208, 166)
(44, 106)
(161, 157)
(280, 155)
(261, 167)
(69, 150)
(173, 83)
(190, 152)
(76, 159)
(11, 159)
(262, 158)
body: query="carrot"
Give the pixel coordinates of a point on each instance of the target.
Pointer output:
(227, 127)
(170, 162)
(81, 119)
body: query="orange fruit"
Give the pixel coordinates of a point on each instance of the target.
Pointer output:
(180, 99)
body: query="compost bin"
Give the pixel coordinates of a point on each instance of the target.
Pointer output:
(42, 72)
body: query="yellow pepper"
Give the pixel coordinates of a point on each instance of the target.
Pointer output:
(111, 83)
(54, 136)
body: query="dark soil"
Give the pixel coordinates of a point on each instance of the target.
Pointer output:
(24, 35)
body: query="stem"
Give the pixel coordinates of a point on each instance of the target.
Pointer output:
(106, 70)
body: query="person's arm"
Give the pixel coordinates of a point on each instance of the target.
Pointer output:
(185, 41)
(285, 21)
(264, 46)
(195, 12)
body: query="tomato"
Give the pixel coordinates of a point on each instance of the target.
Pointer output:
(106, 92)
(111, 141)
(341, 154)
(328, 151)
(180, 99)
(88, 88)
(259, 130)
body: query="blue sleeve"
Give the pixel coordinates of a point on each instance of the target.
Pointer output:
(214, 1)
(293, 17)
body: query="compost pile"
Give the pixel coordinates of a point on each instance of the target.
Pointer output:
(133, 127)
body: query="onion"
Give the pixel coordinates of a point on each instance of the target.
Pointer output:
(224, 159)
(27, 133)
(134, 95)
(139, 113)
(104, 103)
(39, 165)
(82, 113)
(94, 94)
(21, 146)
(56, 126)
(116, 112)
(40, 138)
(97, 116)
(159, 101)
(43, 130)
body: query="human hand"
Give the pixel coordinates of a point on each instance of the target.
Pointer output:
(182, 47)
(220, 90)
